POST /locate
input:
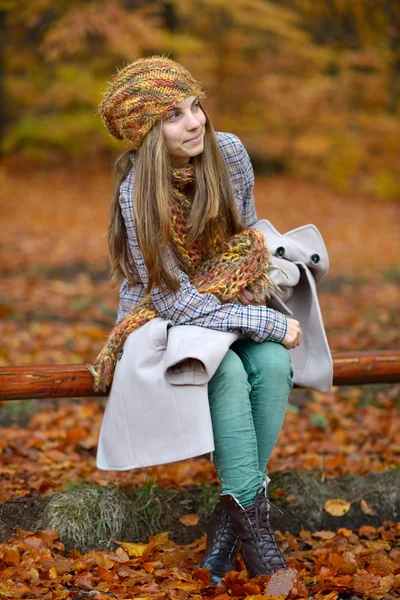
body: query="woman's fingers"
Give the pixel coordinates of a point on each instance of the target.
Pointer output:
(246, 297)
(294, 334)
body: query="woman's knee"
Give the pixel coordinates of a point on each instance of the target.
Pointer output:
(267, 360)
(230, 369)
(230, 380)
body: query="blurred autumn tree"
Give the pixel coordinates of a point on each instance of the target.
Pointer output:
(311, 86)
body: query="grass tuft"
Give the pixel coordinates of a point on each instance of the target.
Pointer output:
(88, 516)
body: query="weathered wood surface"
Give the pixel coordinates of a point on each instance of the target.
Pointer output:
(66, 381)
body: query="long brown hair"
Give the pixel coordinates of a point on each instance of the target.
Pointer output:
(214, 207)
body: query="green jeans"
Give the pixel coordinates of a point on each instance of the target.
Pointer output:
(248, 398)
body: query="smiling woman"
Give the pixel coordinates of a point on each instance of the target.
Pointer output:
(183, 129)
(182, 244)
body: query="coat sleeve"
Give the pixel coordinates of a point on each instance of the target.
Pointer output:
(188, 307)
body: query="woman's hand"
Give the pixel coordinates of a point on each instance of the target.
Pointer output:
(246, 297)
(294, 334)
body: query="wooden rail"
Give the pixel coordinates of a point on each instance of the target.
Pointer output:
(75, 381)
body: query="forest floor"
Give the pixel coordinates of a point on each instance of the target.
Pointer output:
(56, 306)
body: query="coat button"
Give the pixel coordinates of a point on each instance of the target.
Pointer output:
(280, 251)
(315, 259)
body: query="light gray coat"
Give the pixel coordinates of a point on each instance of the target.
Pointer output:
(155, 416)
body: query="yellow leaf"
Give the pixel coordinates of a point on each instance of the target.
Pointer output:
(189, 520)
(337, 507)
(53, 573)
(366, 508)
(133, 549)
(16, 590)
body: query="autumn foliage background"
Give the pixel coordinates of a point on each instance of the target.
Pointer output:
(312, 87)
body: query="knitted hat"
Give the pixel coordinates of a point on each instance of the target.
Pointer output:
(141, 94)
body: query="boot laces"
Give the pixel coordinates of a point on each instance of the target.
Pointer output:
(261, 509)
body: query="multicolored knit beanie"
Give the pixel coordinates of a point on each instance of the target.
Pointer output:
(141, 94)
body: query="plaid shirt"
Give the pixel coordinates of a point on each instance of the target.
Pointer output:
(187, 306)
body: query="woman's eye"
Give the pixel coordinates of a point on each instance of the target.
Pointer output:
(196, 106)
(172, 116)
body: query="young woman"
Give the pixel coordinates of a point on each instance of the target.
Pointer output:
(181, 242)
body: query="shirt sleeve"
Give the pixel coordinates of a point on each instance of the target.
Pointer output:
(189, 307)
(241, 172)
(249, 213)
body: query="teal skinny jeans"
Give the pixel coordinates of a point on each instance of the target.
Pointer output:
(248, 397)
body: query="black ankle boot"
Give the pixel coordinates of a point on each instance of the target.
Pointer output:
(259, 548)
(222, 545)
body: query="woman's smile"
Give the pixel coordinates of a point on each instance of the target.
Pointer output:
(194, 140)
(184, 129)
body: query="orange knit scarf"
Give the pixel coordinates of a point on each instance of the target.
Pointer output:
(237, 262)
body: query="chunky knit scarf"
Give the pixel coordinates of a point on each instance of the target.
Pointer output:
(231, 265)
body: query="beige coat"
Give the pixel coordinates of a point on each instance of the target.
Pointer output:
(154, 416)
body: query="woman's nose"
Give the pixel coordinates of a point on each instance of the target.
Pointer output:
(192, 122)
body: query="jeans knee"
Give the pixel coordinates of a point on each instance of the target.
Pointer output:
(278, 363)
(267, 362)
(231, 370)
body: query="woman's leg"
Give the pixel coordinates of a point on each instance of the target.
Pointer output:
(236, 446)
(237, 424)
(269, 372)
(235, 458)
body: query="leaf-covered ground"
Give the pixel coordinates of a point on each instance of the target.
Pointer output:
(57, 307)
(322, 565)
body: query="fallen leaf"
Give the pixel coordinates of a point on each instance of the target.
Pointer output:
(283, 581)
(12, 591)
(133, 549)
(324, 535)
(201, 574)
(366, 508)
(189, 520)
(337, 507)
(11, 557)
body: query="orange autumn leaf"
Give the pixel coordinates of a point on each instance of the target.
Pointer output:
(284, 581)
(202, 574)
(366, 508)
(368, 531)
(337, 507)
(324, 535)
(75, 435)
(262, 597)
(381, 565)
(366, 583)
(148, 566)
(346, 563)
(10, 590)
(133, 549)
(85, 580)
(189, 520)
(11, 557)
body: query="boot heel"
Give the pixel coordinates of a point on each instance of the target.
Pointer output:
(222, 545)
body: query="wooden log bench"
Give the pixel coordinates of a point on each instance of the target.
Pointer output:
(75, 381)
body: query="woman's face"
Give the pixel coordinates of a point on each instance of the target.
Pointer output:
(184, 129)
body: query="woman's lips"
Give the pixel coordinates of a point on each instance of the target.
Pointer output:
(194, 139)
